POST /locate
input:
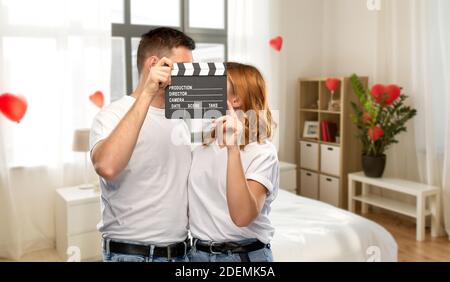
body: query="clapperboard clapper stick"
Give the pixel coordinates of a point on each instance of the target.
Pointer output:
(198, 90)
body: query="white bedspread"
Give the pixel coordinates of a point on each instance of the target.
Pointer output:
(308, 230)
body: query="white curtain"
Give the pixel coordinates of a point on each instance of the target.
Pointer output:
(55, 53)
(413, 50)
(251, 25)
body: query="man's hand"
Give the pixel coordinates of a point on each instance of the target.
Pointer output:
(111, 156)
(159, 77)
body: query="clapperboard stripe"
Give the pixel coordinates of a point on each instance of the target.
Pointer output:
(212, 69)
(204, 69)
(199, 69)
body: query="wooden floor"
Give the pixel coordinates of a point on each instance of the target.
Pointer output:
(404, 232)
(410, 250)
(49, 255)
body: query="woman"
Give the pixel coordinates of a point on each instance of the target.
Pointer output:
(234, 177)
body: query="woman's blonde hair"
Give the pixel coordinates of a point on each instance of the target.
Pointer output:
(249, 85)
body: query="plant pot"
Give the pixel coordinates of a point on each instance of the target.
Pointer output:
(374, 166)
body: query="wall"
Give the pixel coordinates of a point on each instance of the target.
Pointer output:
(348, 38)
(322, 38)
(301, 26)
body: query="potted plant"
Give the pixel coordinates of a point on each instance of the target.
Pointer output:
(380, 117)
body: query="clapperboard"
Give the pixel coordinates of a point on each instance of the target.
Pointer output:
(198, 90)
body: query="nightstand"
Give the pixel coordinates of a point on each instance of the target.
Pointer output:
(288, 177)
(77, 214)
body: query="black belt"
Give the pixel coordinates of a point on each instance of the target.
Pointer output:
(170, 251)
(220, 248)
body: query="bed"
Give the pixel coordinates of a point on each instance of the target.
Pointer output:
(309, 230)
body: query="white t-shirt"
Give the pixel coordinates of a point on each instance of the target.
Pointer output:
(209, 218)
(147, 202)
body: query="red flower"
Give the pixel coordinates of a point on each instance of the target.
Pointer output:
(393, 92)
(332, 84)
(367, 118)
(375, 133)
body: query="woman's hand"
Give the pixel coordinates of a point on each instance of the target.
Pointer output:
(245, 198)
(230, 129)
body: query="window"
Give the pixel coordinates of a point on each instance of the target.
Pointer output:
(54, 54)
(156, 12)
(209, 52)
(203, 20)
(213, 19)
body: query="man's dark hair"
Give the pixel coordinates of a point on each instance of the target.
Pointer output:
(160, 42)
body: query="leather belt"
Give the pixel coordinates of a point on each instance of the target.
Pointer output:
(171, 251)
(220, 248)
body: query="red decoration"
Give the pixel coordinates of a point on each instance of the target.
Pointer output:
(367, 118)
(98, 99)
(385, 95)
(375, 133)
(393, 92)
(332, 84)
(13, 107)
(378, 92)
(276, 43)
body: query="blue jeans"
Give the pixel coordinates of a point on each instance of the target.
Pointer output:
(117, 257)
(261, 255)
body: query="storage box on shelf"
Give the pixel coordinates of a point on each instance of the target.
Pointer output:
(323, 164)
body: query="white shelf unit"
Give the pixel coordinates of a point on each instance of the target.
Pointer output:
(427, 199)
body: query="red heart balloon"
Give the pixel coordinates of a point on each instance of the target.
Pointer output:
(13, 107)
(276, 43)
(332, 84)
(393, 92)
(385, 95)
(379, 93)
(98, 99)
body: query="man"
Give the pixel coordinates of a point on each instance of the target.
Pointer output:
(143, 170)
